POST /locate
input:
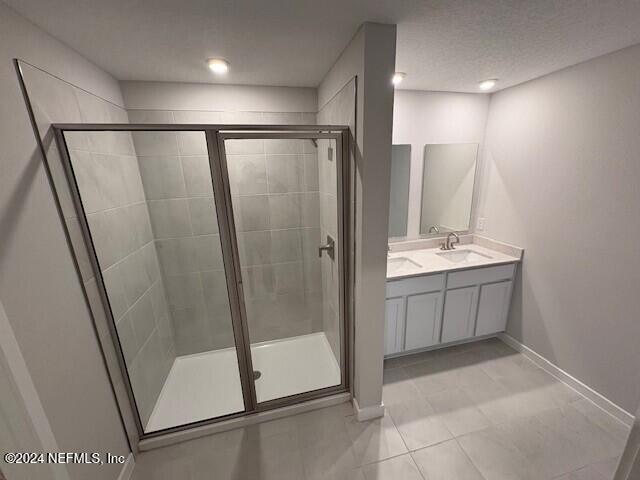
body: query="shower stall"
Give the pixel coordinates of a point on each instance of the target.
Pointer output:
(220, 254)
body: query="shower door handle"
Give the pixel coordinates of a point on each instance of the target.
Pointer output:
(329, 247)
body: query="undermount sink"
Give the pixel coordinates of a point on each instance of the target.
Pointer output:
(463, 256)
(398, 263)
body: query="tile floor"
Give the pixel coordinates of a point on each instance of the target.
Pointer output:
(475, 412)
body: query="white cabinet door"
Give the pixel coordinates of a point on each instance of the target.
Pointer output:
(459, 314)
(493, 308)
(423, 320)
(394, 325)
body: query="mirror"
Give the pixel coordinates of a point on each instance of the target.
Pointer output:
(399, 190)
(448, 176)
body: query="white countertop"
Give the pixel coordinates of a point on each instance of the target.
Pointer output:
(430, 262)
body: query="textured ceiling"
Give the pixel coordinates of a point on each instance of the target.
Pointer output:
(442, 44)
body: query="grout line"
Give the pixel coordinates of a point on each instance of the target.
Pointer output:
(464, 452)
(119, 262)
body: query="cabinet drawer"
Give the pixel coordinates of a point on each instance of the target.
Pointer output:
(480, 275)
(409, 286)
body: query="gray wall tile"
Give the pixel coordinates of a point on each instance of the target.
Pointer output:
(162, 177)
(252, 212)
(197, 176)
(155, 143)
(204, 219)
(286, 245)
(127, 339)
(192, 143)
(288, 146)
(114, 284)
(248, 174)
(135, 277)
(285, 211)
(170, 218)
(184, 291)
(285, 173)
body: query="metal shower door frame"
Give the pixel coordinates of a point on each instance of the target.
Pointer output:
(340, 136)
(215, 136)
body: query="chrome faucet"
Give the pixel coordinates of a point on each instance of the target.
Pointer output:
(448, 244)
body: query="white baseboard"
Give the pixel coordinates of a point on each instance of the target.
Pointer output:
(586, 391)
(127, 469)
(368, 413)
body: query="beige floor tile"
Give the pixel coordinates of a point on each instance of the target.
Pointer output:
(321, 426)
(375, 440)
(440, 353)
(586, 473)
(496, 457)
(494, 401)
(412, 415)
(330, 460)
(445, 461)
(396, 468)
(595, 443)
(511, 420)
(451, 372)
(398, 387)
(457, 411)
(498, 366)
(607, 422)
(608, 467)
(277, 457)
(551, 449)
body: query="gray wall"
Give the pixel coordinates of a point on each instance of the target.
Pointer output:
(274, 186)
(562, 164)
(39, 286)
(421, 118)
(370, 56)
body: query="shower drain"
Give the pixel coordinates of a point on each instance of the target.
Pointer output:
(257, 374)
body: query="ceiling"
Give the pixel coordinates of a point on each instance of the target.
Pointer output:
(444, 45)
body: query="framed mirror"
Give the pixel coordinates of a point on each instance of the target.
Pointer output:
(448, 177)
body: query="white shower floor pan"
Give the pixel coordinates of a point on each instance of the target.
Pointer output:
(207, 385)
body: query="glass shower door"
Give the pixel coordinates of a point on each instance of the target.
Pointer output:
(218, 256)
(147, 202)
(286, 198)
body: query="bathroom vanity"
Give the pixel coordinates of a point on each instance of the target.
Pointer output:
(438, 297)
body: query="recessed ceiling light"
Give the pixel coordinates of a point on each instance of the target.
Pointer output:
(218, 66)
(488, 84)
(398, 77)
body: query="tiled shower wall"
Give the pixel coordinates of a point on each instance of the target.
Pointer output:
(274, 185)
(276, 203)
(340, 110)
(106, 168)
(177, 182)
